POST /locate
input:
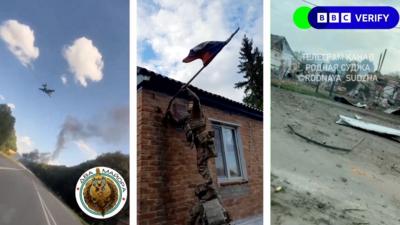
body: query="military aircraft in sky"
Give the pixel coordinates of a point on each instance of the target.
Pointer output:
(44, 88)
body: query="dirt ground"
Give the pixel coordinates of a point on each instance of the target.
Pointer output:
(312, 184)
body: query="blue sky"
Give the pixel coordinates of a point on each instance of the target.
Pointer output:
(86, 42)
(168, 29)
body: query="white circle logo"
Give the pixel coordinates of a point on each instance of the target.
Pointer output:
(101, 192)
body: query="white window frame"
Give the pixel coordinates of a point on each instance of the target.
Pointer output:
(242, 164)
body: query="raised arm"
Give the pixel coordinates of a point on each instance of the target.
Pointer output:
(196, 103)
(192, 94)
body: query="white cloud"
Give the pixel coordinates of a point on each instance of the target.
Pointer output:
(20, 40)
(84, 60)
(64, 79)
(24, 144)
(84, 147)
(172, 27)
(11, 105)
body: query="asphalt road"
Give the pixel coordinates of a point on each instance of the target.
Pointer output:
(25, 201)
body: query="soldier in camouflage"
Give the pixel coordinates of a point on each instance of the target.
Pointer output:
(208, 210)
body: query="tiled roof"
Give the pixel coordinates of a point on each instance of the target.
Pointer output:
(157, 82)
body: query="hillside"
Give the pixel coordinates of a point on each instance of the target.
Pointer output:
(8, 139)
(61, 180)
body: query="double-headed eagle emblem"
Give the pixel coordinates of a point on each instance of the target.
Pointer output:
(100, 193)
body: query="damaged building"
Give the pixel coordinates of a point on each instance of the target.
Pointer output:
(381, 93)
(283, 59)
(359, 82)
(166, 163)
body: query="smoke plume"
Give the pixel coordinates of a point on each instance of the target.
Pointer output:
(111, 127)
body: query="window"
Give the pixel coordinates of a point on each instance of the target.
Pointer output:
(229, 162)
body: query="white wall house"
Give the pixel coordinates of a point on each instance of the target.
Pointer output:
(283, 58)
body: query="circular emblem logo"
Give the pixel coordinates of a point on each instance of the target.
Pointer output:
(101, 192)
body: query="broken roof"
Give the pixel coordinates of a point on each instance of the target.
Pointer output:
(275, 39)
(277, 42)
(156, 82)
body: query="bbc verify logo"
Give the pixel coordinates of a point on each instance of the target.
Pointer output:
(346, 17)
(334, 17)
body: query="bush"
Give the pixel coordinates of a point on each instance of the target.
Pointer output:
(61, 180)
(8, 140)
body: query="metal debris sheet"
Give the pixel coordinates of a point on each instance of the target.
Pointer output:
(375, 128)
(394, 111)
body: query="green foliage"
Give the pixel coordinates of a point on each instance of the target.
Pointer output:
(11, 142)
(8, 140)
(251, 66)
(61, 180)
(298, 88)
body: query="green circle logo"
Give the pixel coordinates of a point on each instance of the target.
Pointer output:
(300, 17)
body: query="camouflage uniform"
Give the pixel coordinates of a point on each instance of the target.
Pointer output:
(208, 210)
(195, 125)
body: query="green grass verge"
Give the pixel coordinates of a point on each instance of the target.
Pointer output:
(299, 88)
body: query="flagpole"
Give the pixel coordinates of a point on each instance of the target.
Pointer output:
(198, 72)
(184, 87)
(233, 34)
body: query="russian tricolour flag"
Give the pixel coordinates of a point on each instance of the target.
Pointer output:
(205, 51)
